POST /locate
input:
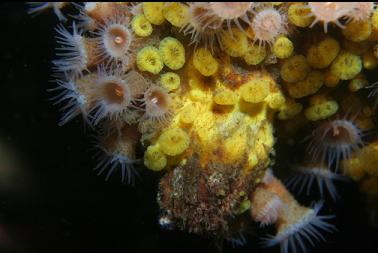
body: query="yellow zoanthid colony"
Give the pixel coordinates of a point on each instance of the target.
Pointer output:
(204, 90)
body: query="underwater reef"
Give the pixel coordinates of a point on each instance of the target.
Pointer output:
(232, 103)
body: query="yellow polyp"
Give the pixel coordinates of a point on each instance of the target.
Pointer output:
(374, 19)
(369, 60)
(313, 82)
(244, 206)
(357, 30)
(363, 165)
(358, 48)
(321, 111)
(225, 97)
(188, 114)
(172, 53)
(294, 69)
(154, 159)
(176, 13)
(331, 80)
(369, 156)
(255, 54)
(141, 26)
(234, 42)
(154, 12)
(374, 35)
(283, 48)
(149, 59)
(357, 83)
(170, 81)
(275, 100)
(353, 168)
(321, 56)
(346, 65)
(290, 110)
(370, 185)
(204, 62)
(299, 15)
(255, 90)
(174, 141)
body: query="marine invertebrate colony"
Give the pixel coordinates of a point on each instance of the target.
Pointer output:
(201, 89)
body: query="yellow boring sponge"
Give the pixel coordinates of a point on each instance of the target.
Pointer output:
(225, 97)
(313, 82)
(289, 110)
(234, 42)
(154, 12)
(299, 15)
(204, 62)
(176, 13)
(294, 69)
(358, 30)
(331, 80)
(346, 65)
(141, 26)
(321, 111)
(369, 60)
(255, 54)
(173, 141)
(149, 59)
(321, 56)
(172, 52)
(154, 159)
(170, 81)
(283, 48)
(255, 90)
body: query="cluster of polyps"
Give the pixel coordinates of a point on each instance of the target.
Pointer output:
(96, 78)
(97, 75)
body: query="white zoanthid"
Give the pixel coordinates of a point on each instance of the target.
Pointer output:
(334, 140)
(268, 24)
(84, 21)
(329, 12)
(114, 39)
(232, 12)
(266, 207)
(36, 8)
(76, 95)
(157, 104)
(237, 240)
(311, 175)
(114, 96)
(361, 11)
(292, 236)
(117, 152)
(72, 53)
(204, 27)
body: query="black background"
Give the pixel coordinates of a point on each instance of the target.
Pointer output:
(56, 202)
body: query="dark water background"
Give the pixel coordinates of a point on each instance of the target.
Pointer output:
(53, 202)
